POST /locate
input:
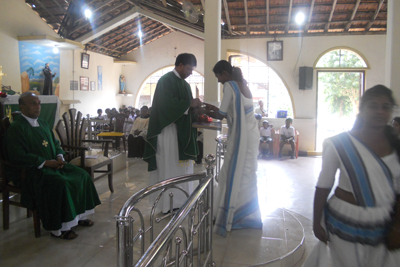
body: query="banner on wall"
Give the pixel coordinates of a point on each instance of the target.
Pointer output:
(99, 78)
(32, 61)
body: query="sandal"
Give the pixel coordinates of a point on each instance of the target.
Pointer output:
(86, 222)
(67, 235)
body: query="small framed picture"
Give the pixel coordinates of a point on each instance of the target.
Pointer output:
(84, 83)
(73, 85)
(85, 61)
(92, 86)
(274, 50)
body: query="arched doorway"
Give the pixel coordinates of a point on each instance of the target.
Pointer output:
(340, 84)
(146, 92)
(264, 83)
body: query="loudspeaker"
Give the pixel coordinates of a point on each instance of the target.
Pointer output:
(305, 78)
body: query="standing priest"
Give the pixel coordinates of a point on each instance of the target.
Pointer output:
(62, 194)
(171, 143)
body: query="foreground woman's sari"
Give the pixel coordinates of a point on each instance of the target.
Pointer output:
(236, 198)
(356, 233)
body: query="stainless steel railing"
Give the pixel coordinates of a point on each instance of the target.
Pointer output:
(192, 248)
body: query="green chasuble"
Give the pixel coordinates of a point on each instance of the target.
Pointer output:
(58, 195)
(172, 98)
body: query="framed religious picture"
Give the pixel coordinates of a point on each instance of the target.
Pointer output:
(85, 60)
(92, 86)
(275, 51)
(84, 83)
(73, 85)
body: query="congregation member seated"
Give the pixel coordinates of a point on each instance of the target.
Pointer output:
(63, 194)
(137, 136)
(128, 122)
(200, 141)
(99, 114)
(107, 115)
(260, 109)
(287, 137)
(396, 125)
(137, 112)
(266, 139)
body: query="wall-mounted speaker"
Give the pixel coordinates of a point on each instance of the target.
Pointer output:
(305, 78)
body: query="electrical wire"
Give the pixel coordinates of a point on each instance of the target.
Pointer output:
(297, 62)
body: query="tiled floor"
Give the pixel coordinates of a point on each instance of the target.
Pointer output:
(283, 183)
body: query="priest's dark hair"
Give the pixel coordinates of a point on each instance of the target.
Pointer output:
(221, 66)
(23, 96)
(186, 59)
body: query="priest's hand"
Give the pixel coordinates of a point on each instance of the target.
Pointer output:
(195, 103)
(54, 164)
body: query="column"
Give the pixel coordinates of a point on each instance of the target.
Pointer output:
(212, 54)
(393, 48)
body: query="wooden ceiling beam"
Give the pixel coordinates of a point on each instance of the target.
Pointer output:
(311, 23)
(289, 16)
(331, 15)
(144, 40)
(309, 16)
(57, 20)
(100, 46)
(375, 15)
(144, 31)
(246, 17)
(228, 20)
(267, 16)
(352, 16)
(97, 16)
(136, 38)
(94, 10)
(58, 4)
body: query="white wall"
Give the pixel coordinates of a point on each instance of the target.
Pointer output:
(371, 47)
(156, 55)
(70, 68)
(17, 19)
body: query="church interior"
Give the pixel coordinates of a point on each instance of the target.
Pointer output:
(91, 44)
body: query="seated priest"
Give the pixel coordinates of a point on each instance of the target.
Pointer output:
(63, 194)
(137, 136)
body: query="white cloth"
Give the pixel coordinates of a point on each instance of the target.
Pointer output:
(331, 163)
(68, 225)
(266, 132)
(141, 124)
(128, 125)
(288, 132)
(236, 199)
(168, 166)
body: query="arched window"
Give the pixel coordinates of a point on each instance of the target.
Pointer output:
(264, 84)
(146, 92)
(341, 58)
(340, 84)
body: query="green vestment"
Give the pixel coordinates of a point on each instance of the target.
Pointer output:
(172, 98)
(58, 195)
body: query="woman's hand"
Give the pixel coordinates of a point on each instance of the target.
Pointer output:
(320, 233)
(54, 164)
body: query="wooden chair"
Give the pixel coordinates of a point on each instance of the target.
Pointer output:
(71, 131)
(8, 186)
(116, 131)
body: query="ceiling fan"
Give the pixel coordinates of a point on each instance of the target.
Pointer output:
(191, 12)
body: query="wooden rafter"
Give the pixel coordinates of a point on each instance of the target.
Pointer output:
(57, 20)
(375, 15)
(136, 38)
(331, 15)
(228, 21)
(94, 9)
(146, 40)
(58, 4)
(164, 3)
(348, 25)
(311, 23)
(134, 29)
(267, 16)
(103, 47)
(97, 16)
(309, 16)
(247, 17)
(289, 16)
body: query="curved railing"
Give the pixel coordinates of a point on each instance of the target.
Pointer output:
(197, 211)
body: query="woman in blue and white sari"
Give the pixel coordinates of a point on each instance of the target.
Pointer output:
(236, 198)
(354, 220)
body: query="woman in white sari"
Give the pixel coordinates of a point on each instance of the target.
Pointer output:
(236, 199)
(354, 221)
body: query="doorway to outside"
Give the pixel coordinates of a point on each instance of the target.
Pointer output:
(338, 95)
